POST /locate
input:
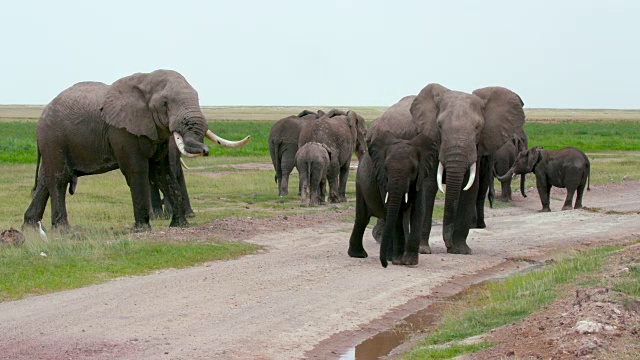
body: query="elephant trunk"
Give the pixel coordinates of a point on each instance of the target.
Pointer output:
(522, 186)
(393, 201)
(455, 176)
(507, 176)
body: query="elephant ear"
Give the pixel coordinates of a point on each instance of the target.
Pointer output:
(533, 156)
(428, 155)
(503, 114)
(334, 112)
(425, 107)
(378, 152)
(320, 114)
(126, 106)
(306, 112)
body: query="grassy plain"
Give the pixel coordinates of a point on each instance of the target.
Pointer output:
(229, 183)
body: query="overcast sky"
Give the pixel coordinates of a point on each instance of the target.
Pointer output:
(558, 54)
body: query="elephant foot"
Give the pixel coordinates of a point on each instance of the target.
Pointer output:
(178, 222)
(578, 207)
(190, 214)
(425, 249)
(334, 200)
(139, 227)
(567, 207)
(360, 253)
(459, 249)
(343, 198)
(29, 224)
(481, 225)
(407, 259)
(545, 210)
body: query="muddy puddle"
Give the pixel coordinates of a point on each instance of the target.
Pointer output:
(383, 343)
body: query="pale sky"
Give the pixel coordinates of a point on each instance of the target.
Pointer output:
(556, 54)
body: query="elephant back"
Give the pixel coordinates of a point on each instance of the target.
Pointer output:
(288, 129)
(332, 132)
(77, 106)
(397, 120)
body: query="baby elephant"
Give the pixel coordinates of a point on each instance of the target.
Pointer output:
(565, 168)
(312, 161)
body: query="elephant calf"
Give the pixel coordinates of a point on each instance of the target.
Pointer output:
(312, 161)
(565, 168)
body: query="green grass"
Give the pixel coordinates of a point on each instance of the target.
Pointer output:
(18, 142)
(76, 262)
(586, 136)
(494, 304)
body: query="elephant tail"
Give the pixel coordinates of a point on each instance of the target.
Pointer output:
(35, 183)
(588, 178)
(274, 151)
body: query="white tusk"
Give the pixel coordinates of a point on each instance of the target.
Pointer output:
(183, 164)
(472, 176)
(440, 171)
(386, 197)
(226, 143)
(406, 198)
(180, 145)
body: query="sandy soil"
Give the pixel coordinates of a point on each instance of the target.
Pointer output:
(302, 296)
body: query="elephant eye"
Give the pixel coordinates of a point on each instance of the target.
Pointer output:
(165, 103)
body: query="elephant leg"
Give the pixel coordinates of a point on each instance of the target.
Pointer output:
(378, 230)
(571, 190)
(506, 191)
(322, 191)
(185, 194)
(333, 178)
(544, 192)
(38, 203)
(416, 220)
(461, 224)
(287, 163)
(581, 187)
(430, 191)
(363, 216)
(58, 192)
(483, 179)
(156, 202)
(171, 189)
(304, 186)
(398, 242)
(344, 176)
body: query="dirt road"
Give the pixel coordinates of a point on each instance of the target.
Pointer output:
(291, 300)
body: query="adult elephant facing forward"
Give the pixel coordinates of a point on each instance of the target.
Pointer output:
(92, 128)
(342, 134)
(468, 127)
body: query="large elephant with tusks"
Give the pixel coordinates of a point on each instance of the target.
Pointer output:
(469, 128)
(92, 128)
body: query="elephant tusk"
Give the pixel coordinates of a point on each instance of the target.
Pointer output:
(184, 165)
(180, 145)
(472, 176)
(386, 197)
(406, 198)
(440, 171)
(226, 143)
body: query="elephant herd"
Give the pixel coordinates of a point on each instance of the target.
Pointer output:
(440, 139)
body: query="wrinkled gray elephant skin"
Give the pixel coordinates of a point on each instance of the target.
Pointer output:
(312, 162)
(342, 134)
(389, 186)
(469, 128)
(503, 159)
(283, 145)
(565, 168)
(92, 128)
